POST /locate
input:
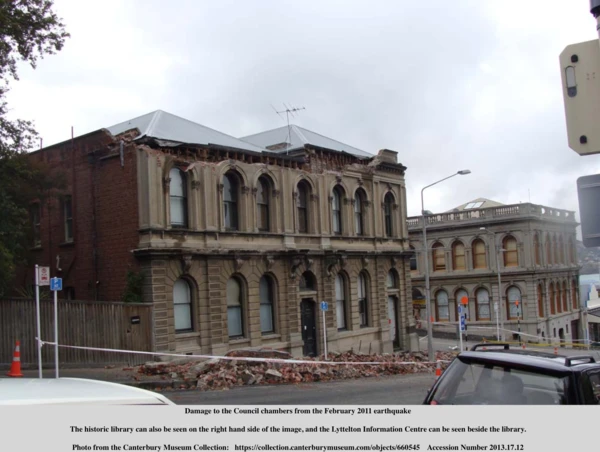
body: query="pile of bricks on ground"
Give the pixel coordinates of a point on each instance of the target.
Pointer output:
(223, 373)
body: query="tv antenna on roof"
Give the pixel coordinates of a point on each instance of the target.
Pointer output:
(289, 110)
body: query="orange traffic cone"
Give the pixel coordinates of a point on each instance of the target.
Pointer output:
(15, 367)
(438, 370)
(555, 351)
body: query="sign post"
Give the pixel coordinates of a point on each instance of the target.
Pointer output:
(518, 320)
(55, 286)
(42, 278)
(497, 320)
(324, 308)
(461, 324)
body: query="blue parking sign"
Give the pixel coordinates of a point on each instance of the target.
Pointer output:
(56, 284)
(324, 306)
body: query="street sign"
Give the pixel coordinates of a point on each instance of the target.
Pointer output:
(463, 323)
(464, 300)
(43, 276)
(56, 284)
(324, 306)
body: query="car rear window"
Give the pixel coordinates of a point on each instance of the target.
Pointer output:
(468, 383)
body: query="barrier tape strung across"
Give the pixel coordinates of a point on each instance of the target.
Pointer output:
(247, 358)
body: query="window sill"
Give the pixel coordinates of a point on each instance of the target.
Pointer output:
(271, 336)
(67, 244)
(238, 340)
(186, 334)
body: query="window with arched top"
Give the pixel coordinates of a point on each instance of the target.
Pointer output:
(266, 295)
(458, 296)
(514, 303)
(363, 300)
(548, 250)
(458, 256)
(572, 251)
(540, 301)
(511, 258)
(565, 303)
(336, 210)
(340, 301)
(303, 196)
(231, 188)
(235, 308)
(182, 306)
(388, 207)
(178, 198)
(307, 282)
(555, 255)
(391, 281)
(536, 249)
(439, 257)
(442, 310)
(574, 294)
(359, 212)
(482, 298)
(552, 297)
(479, 254)
(263, 204)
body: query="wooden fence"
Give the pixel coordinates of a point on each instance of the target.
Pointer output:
(115, 325)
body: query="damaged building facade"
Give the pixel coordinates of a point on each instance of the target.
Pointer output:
(239, 241)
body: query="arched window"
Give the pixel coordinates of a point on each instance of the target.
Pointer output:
(336, 210)
(552, 299)
(263, 204)
(540, 301)
(510, 254)
(439, 257)
(359, 208)
(391, 281)
(561, 250)
(458, 296)
(458, 256)
(479, 254)
(515, 305)
(388, 207)
(441, 306)
(548, 251)
(178, 198)
(536, 249)
(574, 294)
(413, 260)
(340, 301)
(235, 308)
(558, 303)
(182, 306)
(230, 201)
(302, 206)
(555, 255)
(266, 296)
(564, 298)
(363, 300)
(482, 297)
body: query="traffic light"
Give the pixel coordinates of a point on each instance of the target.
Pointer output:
(588, 192)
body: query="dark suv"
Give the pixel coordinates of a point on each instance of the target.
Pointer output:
(496, 375)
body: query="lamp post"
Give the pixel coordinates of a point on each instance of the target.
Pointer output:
(426, 252)
(499, 302)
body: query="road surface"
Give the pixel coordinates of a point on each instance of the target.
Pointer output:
(390, 390)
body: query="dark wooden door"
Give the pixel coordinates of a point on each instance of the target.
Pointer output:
(309, 327)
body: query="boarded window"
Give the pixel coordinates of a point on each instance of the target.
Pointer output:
(510, 253)
(439, 257)
(479, 254)
(458, 256)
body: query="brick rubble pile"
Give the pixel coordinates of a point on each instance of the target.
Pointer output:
(186, 373)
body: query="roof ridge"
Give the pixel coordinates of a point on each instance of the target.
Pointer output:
(329, 138)
(155, 117)
(299, 133)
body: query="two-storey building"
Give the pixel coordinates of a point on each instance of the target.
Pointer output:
(532, 247)
(238, 240)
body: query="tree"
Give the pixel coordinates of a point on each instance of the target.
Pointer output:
(29, 30)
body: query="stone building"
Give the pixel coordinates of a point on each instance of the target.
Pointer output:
(534, 249)
(239, 240)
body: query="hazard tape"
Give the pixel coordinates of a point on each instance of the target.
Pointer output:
(247, 358)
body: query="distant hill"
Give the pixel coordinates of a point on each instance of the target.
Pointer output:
(589, 259)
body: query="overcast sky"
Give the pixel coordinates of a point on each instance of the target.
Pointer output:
(450, 85)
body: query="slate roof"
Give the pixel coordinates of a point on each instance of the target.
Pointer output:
(282, 140)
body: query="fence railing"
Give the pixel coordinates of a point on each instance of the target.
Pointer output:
(115, 325)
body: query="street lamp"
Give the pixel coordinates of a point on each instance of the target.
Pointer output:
(426, 252)
(499, 302)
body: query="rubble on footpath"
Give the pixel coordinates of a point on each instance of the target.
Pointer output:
(222, 374)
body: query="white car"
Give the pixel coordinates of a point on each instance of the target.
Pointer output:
(69, 391)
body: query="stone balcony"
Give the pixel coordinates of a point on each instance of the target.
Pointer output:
(521, 211)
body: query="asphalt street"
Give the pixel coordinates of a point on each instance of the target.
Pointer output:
(392, 390)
